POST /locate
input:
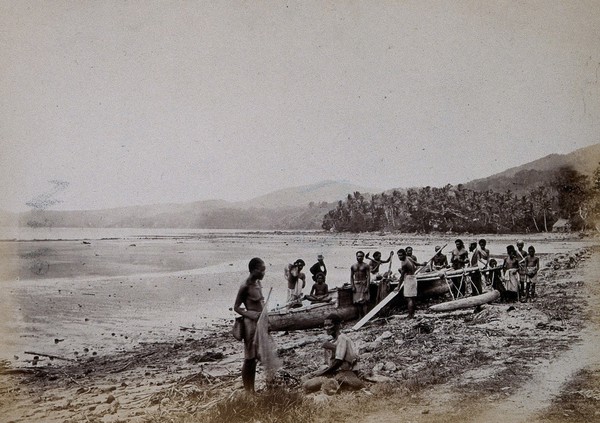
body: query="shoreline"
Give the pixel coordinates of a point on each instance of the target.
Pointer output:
(145, 380)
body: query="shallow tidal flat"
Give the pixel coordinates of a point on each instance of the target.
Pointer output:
(93, 295)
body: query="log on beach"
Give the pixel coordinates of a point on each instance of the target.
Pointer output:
(475, 301)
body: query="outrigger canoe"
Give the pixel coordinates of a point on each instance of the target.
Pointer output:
(429, 284)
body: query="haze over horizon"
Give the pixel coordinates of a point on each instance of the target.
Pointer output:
(131, 103)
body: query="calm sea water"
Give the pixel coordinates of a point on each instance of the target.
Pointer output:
(107, 294)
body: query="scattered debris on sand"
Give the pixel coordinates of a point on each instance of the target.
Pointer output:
(489, 351)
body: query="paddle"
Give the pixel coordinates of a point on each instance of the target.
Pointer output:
(377, 308)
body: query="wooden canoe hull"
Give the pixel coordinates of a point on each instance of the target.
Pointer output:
(312, 316)
(308, 318)
(486, 297)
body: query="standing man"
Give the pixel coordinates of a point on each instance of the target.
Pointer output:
(521, 254)
(250, 296)
(360, 278)
(459, 259)
(407, 276)
(296, 282)
(475, 276)
(484, 257)
(532, 266)
(318, 267)
(511, 273)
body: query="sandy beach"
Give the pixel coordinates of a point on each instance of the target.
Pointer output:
(133, 315)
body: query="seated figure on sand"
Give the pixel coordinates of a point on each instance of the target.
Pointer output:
(319, 293)
(343, 356)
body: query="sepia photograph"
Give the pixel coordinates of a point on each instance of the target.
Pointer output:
(299, 211)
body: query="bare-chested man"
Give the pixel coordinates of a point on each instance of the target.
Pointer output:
(439, 260)
(360, 278)
(407, 277)
(532, 266)
(521, 254)
(459, 259)
(251, 298)
(376, 262)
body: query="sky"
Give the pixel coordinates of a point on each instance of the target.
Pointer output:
(116, 103)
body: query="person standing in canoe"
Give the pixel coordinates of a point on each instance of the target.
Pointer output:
(296, 282)
(459, 259)
(251, 298)
(360, 278)
(376, 262)
(407, 276)
(318, 267)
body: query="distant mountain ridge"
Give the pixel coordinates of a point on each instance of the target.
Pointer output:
(325, 191)
(288, 208)
(283, 209)
(521, 179)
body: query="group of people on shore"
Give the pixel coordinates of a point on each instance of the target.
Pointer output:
(515, 279)
(249, 303)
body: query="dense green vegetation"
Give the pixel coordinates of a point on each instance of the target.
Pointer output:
(569, 195)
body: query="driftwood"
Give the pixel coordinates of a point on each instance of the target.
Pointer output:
(49, 356)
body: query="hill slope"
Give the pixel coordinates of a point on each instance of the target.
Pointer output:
(282, 209)
(326, 191)
(522, 178)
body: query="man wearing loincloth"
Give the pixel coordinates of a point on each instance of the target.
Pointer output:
(521, 254)
(511, 273)
(250, 296)
(532, 266)
(409, 279)
(360, 278)
(479, 258)
(459, 259)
